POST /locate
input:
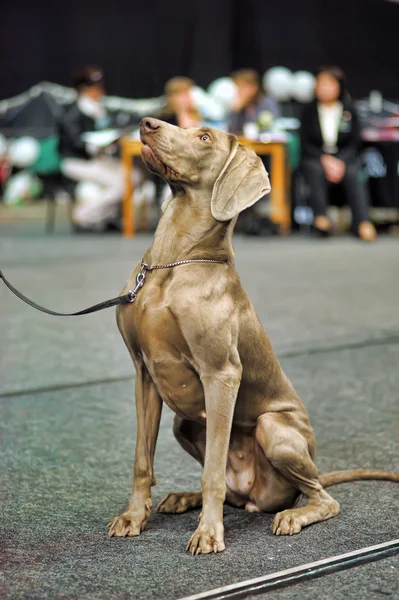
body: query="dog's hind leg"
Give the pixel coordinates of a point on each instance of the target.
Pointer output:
(288, 451)
(180, 502)
(191, 437)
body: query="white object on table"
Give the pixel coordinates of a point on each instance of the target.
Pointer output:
(102, 138)
(251, 131)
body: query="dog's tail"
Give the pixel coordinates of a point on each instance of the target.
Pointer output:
(335, 477)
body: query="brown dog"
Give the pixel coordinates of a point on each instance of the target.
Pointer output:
(198, 345)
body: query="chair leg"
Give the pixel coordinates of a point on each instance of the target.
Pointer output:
(145, 221)
(50, 217)
(302, 213)
(70, 215)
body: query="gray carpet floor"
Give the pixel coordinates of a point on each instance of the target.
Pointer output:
(67, 421)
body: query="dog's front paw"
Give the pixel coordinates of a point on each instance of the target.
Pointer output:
(129, 524)
(206, 540)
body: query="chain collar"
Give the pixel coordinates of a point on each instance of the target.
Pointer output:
(181, 262)
(146, 268)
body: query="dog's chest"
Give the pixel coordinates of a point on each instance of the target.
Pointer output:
(158, 340)
(178, 386)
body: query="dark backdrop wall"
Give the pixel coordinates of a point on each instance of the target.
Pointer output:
(141, 43)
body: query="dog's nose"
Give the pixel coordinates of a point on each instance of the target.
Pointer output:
(149, 125)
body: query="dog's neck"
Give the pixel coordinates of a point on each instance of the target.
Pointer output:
(187, 229)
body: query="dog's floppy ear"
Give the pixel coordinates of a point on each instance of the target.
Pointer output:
(242, 181)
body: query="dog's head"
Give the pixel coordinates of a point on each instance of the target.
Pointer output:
(212, 161)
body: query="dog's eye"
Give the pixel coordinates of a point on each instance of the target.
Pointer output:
(205, 138)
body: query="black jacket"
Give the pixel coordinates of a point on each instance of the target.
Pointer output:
(348, 141)
(71, 127)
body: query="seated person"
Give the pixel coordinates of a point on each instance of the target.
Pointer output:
(330, 139)
(180, 109)
(251, 105)
(80, 162)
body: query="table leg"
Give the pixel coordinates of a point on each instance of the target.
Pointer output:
(128, 224)
(280, 209)
(143, 225)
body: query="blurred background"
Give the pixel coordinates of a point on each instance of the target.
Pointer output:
(313, 88)
(139, 47)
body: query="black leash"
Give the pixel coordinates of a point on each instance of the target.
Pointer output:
(119, 300)
(125, 299)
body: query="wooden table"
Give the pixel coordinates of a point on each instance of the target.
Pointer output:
(280, 205)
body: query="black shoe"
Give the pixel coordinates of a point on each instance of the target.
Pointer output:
(320, 233)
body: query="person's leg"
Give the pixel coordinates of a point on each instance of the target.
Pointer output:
(108, 174)
(358, 200)
(315, 177)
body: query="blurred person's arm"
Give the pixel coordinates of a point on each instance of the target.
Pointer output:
(270, 104)
(350, 150)
(71, 143)
(310, 149)
(236, 116)
(235, 122)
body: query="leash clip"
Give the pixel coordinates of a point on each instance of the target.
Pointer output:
(132, 296)
(140, 278)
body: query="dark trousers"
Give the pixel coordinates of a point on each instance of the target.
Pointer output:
(355, 189)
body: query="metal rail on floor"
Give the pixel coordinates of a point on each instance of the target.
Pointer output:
(288, 577)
